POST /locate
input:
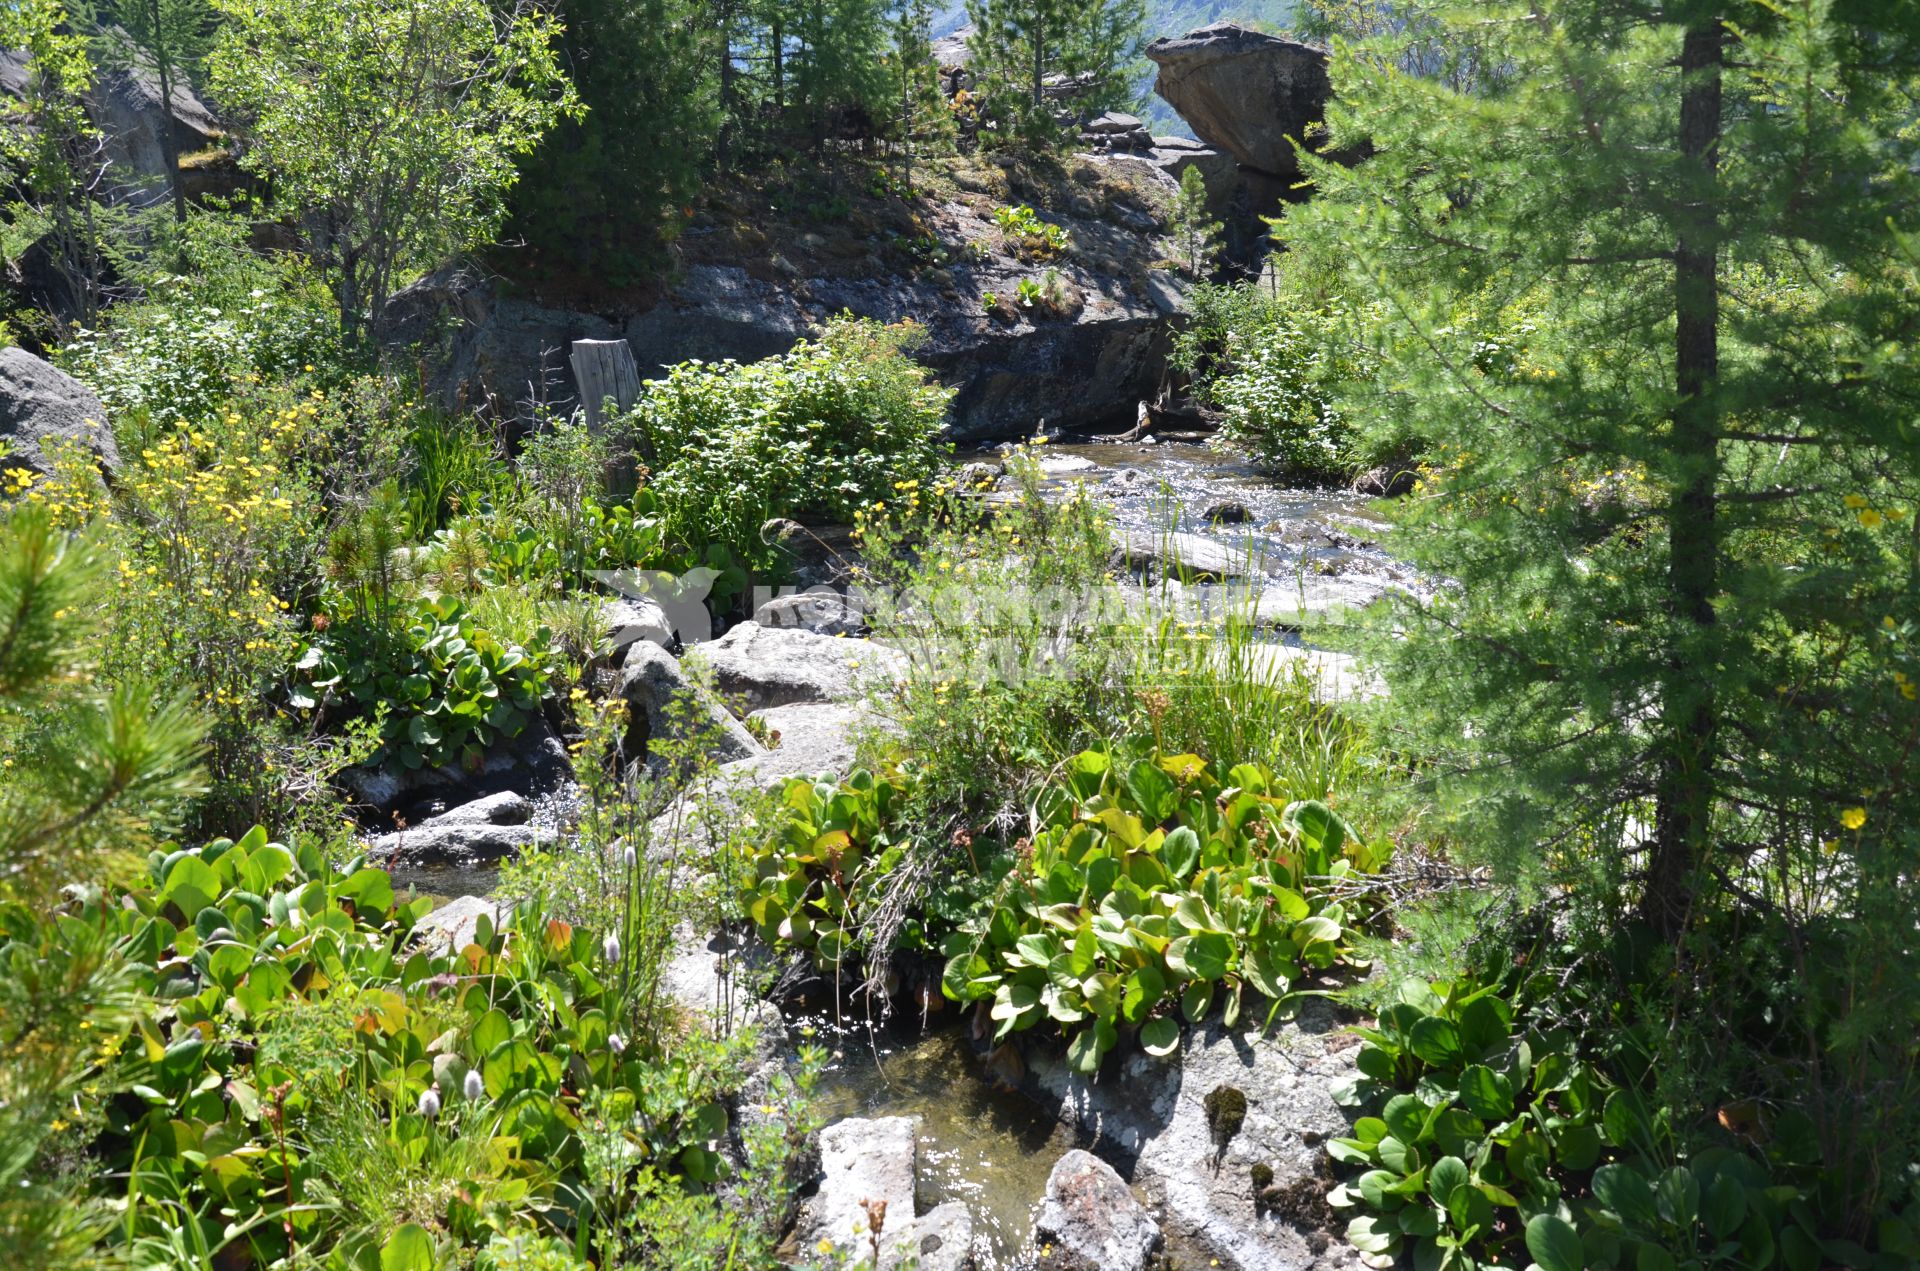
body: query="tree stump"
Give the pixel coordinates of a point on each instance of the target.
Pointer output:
(605, 372)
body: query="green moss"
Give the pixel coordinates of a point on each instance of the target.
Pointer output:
(1226, 1112)
(1262, 1175)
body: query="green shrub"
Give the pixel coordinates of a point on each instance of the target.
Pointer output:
(177, 358)
(827, 869)
(304, 1078)
(1027, 236)
(443, 689)
(1152, 890)
(1268, 361)
(1491, 1137)
(1008, 670)
(815, 432)
(1146, 893)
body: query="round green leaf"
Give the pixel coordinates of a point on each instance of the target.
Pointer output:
(1160, 1035)
(1554, 1244)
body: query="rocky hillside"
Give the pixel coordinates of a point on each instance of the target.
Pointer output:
(1064, 322)
(1167, 18)
(1059, 319)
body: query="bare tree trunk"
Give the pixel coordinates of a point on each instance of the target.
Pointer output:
(169, 143)
(1684, 793)
(779, 70)
(723, 144)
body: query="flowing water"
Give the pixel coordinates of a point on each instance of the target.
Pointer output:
(1169, 486)
(980, 1143)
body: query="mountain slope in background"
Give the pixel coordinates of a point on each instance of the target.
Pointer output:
(1164, 17)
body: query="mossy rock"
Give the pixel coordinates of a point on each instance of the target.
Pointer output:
(1226, 1112)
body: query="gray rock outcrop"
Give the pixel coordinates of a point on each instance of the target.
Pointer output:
(1151, 1115)
(1250, 94)
(666, 704)
(127, 106)
(487, 829)
(1115, 131)
(533, 763)
(1090, 1220)
(870, 1162)
(763, 667)
(486, 348)
(632, 618)
(821, 610)
(42, 406)
(813, 739)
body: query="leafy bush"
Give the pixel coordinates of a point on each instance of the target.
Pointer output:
(1027, 235)
(1009, 664)
(1269, 362)
(1494, 1139)
(813, 432)
(827, 868)
(306, 1079)
(1145, 893)
(444, 689)
(1151, 890)
(177, 359)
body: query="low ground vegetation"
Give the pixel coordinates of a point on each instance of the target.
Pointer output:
(1648, 749)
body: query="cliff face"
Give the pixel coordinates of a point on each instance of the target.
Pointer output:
(752, 280)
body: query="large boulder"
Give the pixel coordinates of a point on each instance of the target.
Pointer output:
(131, 114)
(533, 763)
(487, 829)
(821, 610)
(631, 618)
(764, 667)
(1225, 1138)
(665, 704)
(815, 739)
(1248, 93)
(1090, 1220)
(41, 404)
(1190, 556)
(864, 1163)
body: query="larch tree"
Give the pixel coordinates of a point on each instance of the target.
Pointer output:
(1653, 310)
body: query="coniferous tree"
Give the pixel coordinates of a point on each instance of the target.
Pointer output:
(171, 38)
(86, 769)
(1028, 52)
(922, 123)
(604, 192)
(835, 75)
(1653, 313)
(1194, 231)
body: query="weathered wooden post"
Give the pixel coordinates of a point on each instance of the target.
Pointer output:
(605, 371)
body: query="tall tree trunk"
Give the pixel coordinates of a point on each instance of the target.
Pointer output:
(1039, 67)
(779, 70)
(1684, 795)
(169, 143)
(723, 144)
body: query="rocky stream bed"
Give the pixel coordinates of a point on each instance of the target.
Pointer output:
(1005, 1158)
